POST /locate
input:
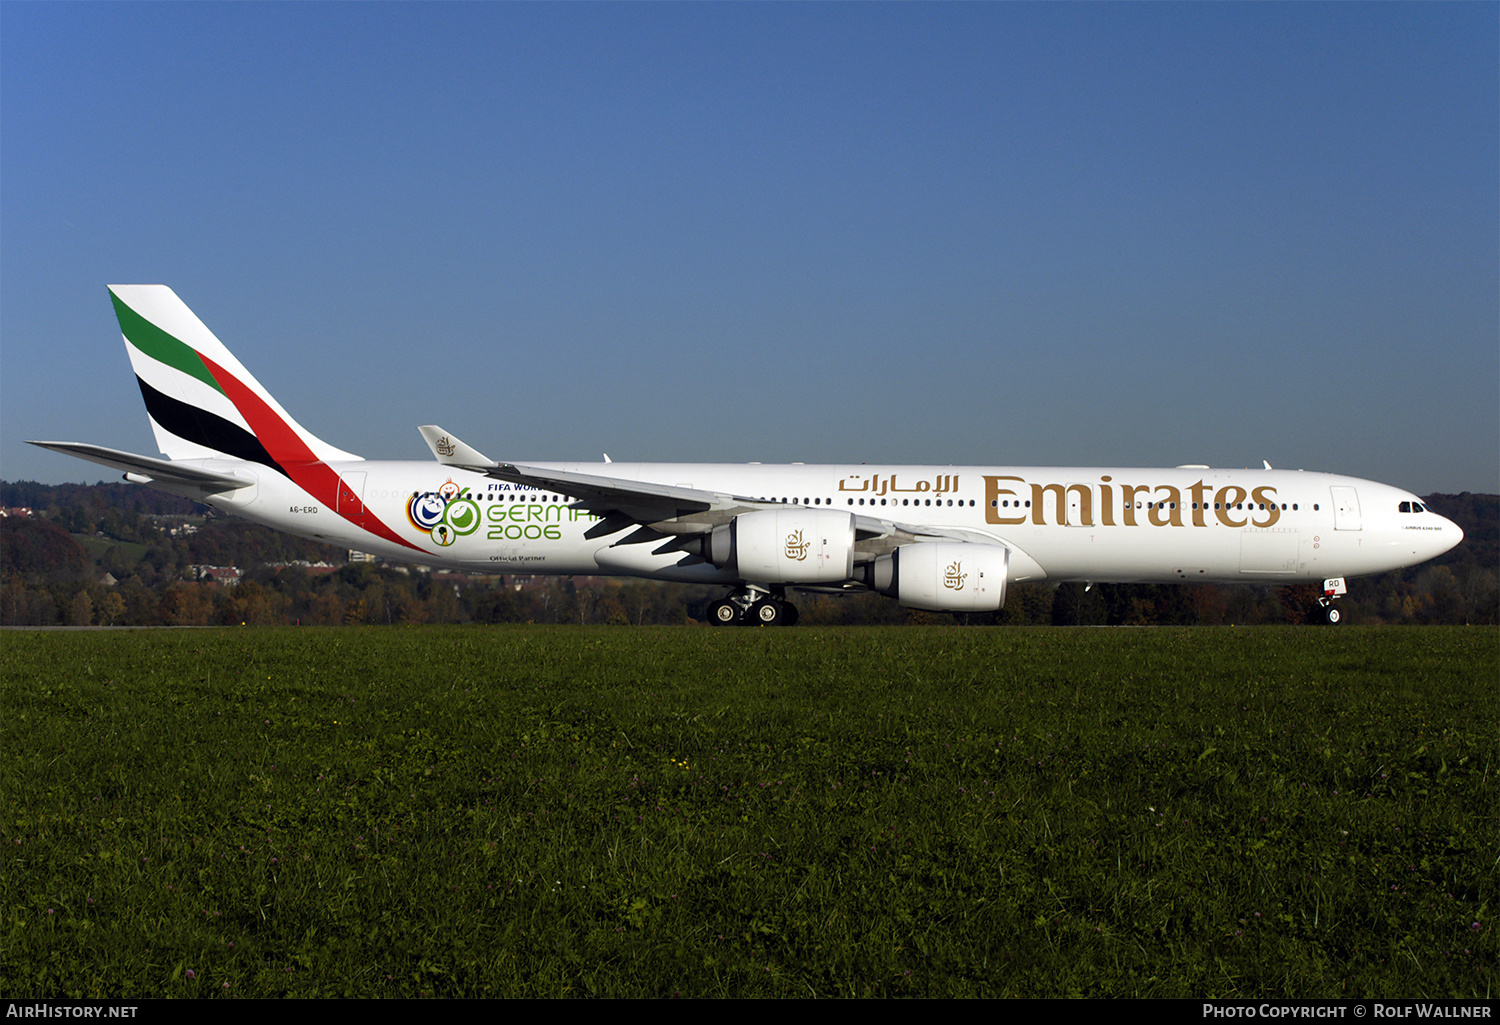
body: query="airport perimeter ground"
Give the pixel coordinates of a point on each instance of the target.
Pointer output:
(518, 811)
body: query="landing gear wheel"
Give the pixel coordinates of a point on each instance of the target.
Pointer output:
(723, 613)
(769, 612)
(1332, 616)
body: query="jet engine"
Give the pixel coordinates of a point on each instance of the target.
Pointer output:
(943, 576)
(795, 545)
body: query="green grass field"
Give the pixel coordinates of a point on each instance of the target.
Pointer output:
(651, 812)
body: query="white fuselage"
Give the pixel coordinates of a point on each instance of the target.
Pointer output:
(941, 538)
(1060, 523)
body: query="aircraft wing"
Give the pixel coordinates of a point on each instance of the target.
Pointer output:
(689, 510)
(636, 499)
(666, 508)
(158, 471)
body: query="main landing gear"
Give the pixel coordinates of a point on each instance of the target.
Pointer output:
(752, 606)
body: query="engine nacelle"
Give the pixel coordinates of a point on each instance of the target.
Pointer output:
(943, 576)
(796, 545)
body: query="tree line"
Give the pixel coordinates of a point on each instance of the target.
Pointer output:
(122, 555)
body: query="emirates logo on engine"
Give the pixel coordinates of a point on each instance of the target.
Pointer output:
(796, 548)
(954, 576)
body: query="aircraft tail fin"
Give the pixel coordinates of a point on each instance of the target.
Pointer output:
(201, 402)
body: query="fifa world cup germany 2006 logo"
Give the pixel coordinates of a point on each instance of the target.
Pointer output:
(796, 548)
(445, 515)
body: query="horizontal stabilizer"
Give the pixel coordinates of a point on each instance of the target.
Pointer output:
(161, 471)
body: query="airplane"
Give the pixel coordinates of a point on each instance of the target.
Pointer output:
(939, 538)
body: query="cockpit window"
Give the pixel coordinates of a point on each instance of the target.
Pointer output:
(1412, 507)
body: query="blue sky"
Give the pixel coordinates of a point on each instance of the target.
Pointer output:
(1005, 234)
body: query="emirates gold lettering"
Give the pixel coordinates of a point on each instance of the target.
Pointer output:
(1268, 497)
(1199, 491)
(1106, 502)
(1084, 517)
(1128, 493)
(1169, 512)
(1037, 510)
(994, 494)
(1224, 502)
(1058, 504)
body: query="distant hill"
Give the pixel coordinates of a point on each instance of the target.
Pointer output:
(56, 566)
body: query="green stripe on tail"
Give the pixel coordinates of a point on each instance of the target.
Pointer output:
(159, 345)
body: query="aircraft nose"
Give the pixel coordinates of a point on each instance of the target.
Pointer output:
(1451, 536)
(1445, 538)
